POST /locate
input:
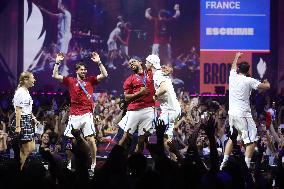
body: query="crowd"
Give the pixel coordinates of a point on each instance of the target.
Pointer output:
(199, 139)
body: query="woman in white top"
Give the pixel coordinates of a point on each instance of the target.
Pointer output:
(23, 111)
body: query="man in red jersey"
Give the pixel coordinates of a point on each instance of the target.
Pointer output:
(162, 33)
(81, 95)
(139, 91)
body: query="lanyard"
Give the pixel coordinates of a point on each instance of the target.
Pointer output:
(84, 89)
(144, 79)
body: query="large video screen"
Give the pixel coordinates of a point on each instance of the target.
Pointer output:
(235, 25)
(79, 27)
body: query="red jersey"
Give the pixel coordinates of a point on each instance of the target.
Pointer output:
(133, 84)
(162, 33)
(80, 103)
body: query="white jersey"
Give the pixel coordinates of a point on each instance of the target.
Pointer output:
(168, 101)
(64, 24)
(113, 34)
(23, 99)
(240, 88)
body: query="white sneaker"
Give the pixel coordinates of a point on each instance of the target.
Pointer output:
(223, 164)
(69, 165)
(93, 166)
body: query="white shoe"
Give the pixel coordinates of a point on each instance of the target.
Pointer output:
(93, 166)
(69, 165)
(223, 164)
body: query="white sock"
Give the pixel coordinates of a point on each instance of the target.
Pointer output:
(226, 157)
(247, 160)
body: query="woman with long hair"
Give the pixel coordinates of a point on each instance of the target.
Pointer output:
(23, 112)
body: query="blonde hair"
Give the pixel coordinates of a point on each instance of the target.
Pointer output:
(24, 76)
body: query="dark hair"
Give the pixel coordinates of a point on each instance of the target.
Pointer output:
(134, 57)
(243, 67)
(79, 64)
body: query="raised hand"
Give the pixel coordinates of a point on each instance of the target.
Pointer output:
(96, 58)
(176, 7)
(239, 54)
(77, 132)
(160, 127)
(59, 57)
(210, 127)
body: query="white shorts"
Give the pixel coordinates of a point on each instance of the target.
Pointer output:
(63, 42)
(169, 117)
(247, 131)
(138, 119)
(112, 46)
(124, 50)
(78, 121)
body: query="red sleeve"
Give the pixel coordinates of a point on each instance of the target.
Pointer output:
(93, 80)
(66, 80)
(127, 86)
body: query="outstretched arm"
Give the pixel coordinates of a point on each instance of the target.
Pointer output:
(148, 14)
(177, 13)
(59, 58)
(235, 61)
(96, 59)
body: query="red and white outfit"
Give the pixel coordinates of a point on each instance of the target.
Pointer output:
(81, 108)
(140, 112)
(240, 117)
(162, 36)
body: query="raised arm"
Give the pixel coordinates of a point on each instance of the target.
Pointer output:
(177, 13)
(235, 61)
(48, 12)
(96, 59)
(148, 14)
(59, 58)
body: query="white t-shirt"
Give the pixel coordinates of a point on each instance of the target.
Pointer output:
(168, 101)
(64, 24)
(240, 88)
(113, 34)
(23, 99)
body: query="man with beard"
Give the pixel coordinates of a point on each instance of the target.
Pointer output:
(81, 95)
(139, 91)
